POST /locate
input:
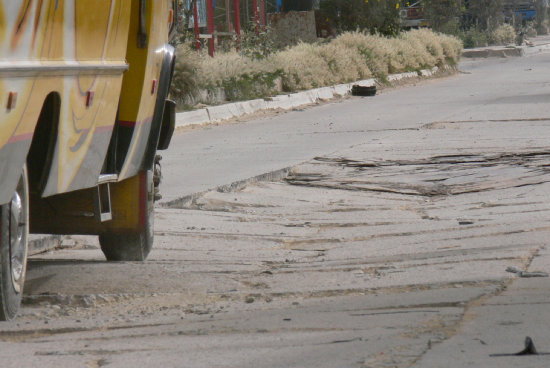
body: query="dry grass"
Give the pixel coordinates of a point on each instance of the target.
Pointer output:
(349, 57)
(228, 65)
(185, 86)
(308, 66)
(504, 34)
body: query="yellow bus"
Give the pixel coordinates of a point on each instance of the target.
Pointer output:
(83, 111)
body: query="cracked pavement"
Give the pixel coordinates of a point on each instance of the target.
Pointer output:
(390, 251)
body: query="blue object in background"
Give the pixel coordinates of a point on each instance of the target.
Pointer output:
(527, 14)
(279, 4)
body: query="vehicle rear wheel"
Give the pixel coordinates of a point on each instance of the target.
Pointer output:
(14, 227)
(134, 245)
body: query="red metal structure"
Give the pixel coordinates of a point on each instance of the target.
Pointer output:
(210, 20)
(262, 9)
(237, 6)
(259, 13)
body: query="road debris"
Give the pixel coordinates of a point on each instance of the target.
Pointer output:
(526, 274)
(357, 90)
(528, 350)
(529, 347)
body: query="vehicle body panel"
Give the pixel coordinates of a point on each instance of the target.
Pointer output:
(87, 53)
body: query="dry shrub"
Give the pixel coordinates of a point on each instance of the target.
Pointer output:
(431, 42)
(375, 50)
(452, 48)
(229, 65)
(241, 77)
(504, 34)
(308, 66)
(412, 50)
(346, 65)
(530, 30)
(303, 67)
(441, 49)
(349, 57)
(185, 84)
(412, 54)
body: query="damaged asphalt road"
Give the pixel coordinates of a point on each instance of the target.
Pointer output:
(375, 256)
(385, 243)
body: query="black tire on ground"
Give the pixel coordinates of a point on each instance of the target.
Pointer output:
(132, 246)
(14, 226)
(357, 90)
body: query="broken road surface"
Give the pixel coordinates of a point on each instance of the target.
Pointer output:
(389, 253)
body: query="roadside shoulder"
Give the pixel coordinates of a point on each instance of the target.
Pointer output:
(220, 113)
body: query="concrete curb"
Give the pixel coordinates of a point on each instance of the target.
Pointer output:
(192, 117)
(531, 50)
(185, 201)
(500, 52)
(216, 114)
(532, 46)
(39, 243)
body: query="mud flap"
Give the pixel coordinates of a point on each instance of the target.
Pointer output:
(75, 212)
(168, 125)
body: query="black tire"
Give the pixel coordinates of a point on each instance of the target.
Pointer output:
(14, 224)
(136, 245)
(357, 90)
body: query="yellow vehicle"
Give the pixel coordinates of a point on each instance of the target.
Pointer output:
(83, 110)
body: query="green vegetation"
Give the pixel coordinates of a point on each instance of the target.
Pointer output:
(483, 22)
(475, 22)
(502, 35)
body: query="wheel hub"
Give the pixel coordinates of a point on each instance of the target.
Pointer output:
(17, 241)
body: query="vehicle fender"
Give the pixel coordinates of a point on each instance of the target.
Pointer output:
(165, 79)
